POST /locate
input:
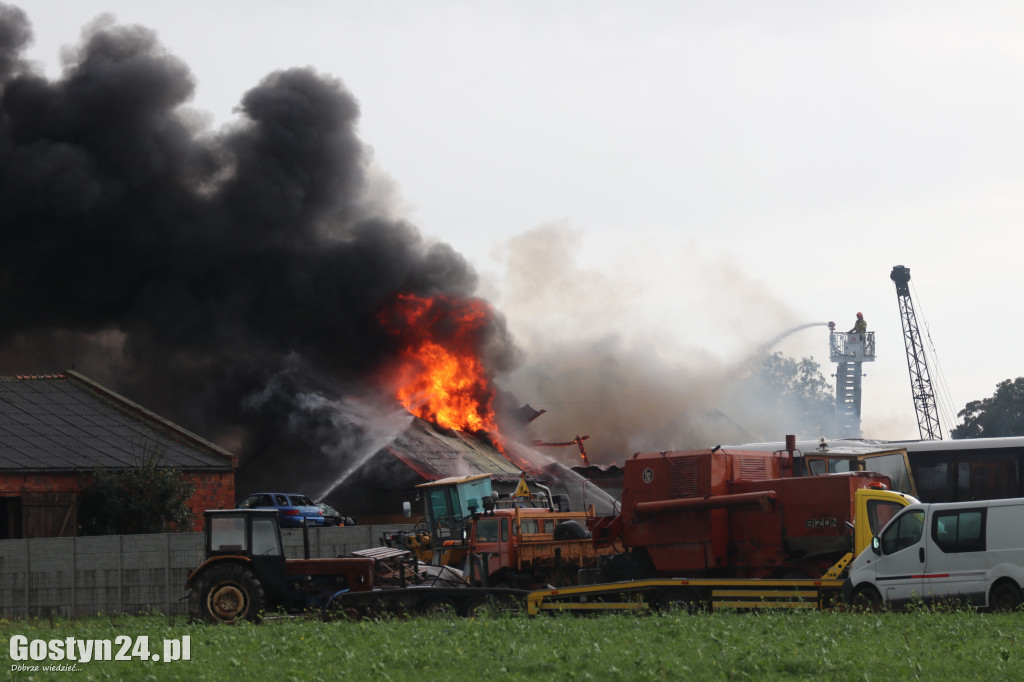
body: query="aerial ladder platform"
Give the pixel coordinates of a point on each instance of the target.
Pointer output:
(849, 350)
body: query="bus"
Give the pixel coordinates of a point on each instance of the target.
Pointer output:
(942, 470)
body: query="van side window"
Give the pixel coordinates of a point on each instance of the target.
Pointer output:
(962, 530)
(905, 531)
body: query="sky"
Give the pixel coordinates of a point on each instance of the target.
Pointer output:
(681, 181)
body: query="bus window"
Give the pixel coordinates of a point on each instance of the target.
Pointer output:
(933, 481)
(988, 478)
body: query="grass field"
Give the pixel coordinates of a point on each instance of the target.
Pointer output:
(926, 645)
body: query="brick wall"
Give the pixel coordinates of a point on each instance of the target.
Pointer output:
(214, 490)
(12, 483)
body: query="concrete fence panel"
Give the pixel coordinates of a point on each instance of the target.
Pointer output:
(86, 576)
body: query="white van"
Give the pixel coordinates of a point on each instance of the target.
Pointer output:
(970, 551)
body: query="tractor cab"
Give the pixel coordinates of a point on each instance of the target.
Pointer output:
(247, 532)
(450, 503)
(252, 535)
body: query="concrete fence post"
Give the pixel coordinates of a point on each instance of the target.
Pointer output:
(167, 571)
(74, 576)
(120, 574)
(28, 577)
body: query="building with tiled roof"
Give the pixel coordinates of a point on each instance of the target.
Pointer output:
(421, 453)
(55, 430)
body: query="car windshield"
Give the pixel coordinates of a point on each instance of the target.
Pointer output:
(302, 501)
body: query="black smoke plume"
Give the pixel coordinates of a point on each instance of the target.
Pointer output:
(227, 279)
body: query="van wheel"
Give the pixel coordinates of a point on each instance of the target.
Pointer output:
(866, 598)
(1005, 597)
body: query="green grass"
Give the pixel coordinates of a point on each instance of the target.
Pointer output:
(727, 646)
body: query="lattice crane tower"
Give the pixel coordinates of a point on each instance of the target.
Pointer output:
(920, 381)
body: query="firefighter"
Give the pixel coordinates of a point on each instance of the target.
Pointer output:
(860, 326)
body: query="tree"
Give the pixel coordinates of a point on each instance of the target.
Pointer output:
(1000, 415)
(146, 499)
(783, 395)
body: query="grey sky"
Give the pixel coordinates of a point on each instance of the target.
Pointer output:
(688, 178)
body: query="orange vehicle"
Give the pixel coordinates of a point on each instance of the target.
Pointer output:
(739, 514)
(520, 541)
(719, 529)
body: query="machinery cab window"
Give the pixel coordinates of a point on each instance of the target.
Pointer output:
(266, 540)
(227, 533)
(880, 512)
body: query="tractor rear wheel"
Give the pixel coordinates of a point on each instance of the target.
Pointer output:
(227, 593)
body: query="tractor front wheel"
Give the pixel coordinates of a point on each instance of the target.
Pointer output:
(227, 594)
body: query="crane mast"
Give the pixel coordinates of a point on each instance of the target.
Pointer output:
(920, 381)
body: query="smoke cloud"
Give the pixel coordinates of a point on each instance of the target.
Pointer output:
(231, 279)
(637, 380)
(227, 279)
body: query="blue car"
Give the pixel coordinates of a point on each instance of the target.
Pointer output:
(292, 508)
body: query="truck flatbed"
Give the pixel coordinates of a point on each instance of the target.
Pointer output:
(691, 595)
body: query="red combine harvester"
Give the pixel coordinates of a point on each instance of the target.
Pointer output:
(736, 514)
(731, 528)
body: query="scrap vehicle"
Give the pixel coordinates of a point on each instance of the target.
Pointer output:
(294, 510)
(524, 540)
(246, 575)
(725, 528)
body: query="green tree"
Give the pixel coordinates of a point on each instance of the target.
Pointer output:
(798, 391)
(782, 395)
(1000, 415)
(146, 499)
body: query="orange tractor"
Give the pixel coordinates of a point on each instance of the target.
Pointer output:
(520, 541)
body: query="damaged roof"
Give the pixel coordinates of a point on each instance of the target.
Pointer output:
(67, 422)
(435, 453)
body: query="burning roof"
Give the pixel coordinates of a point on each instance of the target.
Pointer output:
(436, 453)
(234, 280)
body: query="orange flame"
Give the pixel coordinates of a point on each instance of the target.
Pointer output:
(440, 376)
